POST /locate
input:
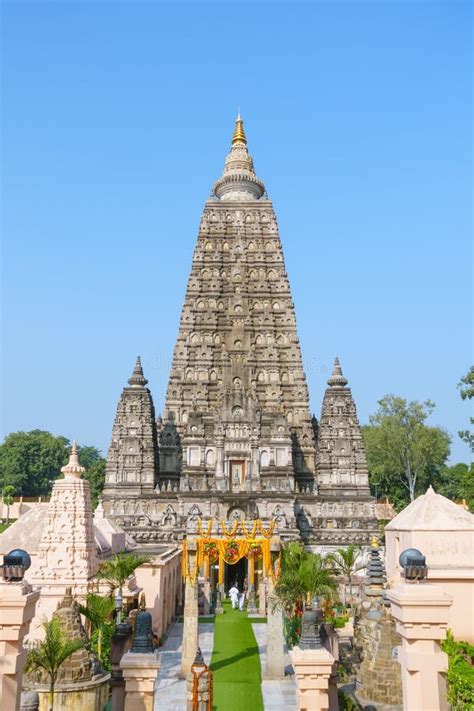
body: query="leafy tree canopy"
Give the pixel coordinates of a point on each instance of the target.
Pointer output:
(404, 454)
(31, 461)
(457, 483)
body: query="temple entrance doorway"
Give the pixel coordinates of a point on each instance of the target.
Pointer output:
(235, 573)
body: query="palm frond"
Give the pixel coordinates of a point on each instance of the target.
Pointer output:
(53, 650)
(117, 570)
(98, 610)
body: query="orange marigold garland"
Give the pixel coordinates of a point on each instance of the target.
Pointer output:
(207, 533)
(233, 530)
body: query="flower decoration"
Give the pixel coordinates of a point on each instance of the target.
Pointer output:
(255, 551)
(231, 551)
(211, 552)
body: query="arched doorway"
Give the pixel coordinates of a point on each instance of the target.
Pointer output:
(235, 573)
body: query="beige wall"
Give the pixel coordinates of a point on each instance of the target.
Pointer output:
(161, 583)
(450, 561)
(18, 508)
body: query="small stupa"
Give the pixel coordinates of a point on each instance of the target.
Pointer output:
(67, 555)
(377, 638)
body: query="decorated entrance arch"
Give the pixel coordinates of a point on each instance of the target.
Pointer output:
(229, 544)
(213, 545)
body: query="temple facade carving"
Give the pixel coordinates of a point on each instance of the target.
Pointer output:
(237, 432)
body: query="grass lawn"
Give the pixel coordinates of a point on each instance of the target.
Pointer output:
(235, 663)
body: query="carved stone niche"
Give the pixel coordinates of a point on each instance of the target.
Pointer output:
(236, 514)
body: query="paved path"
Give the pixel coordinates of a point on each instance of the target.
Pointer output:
(170, 690)
(278, 695)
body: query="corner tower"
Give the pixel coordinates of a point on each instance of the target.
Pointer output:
(132, 457)
(341, 460)
(237, 393)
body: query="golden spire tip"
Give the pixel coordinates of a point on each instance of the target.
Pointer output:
(239, 138)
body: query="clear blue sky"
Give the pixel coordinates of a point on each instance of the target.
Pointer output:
(117, 119)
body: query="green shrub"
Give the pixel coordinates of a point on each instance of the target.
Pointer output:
(460, 675)
(346, 702)
(292, 630)
(338, 622)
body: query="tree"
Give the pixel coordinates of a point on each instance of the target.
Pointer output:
(29, 461)
(94, 463)
(119, 569)
(302, 575)
(98, 611)
(404, 454)
(457, 483)
(7, 496)
(466, 390)
(346, 563)
(51, 653)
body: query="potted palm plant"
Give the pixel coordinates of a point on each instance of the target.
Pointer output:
(98, 612)
(346, 563)
(303, 576)
(118, 570)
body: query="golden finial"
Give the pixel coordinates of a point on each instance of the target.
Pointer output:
(239, 138)
(374, 542)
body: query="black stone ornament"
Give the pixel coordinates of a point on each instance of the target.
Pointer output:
(143, 637)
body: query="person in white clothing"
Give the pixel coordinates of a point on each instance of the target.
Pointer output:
(234, 596)
(242, 597)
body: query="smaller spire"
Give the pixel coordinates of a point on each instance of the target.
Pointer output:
(239, 137)
(73, 470)
(375, 575)
(138, 379)
(337, 379)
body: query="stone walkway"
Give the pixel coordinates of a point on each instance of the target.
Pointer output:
(278, 695)
(170, 689)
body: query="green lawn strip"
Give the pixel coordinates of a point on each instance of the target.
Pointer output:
(235, 663)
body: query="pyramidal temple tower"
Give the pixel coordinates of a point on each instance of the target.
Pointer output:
(237, 438)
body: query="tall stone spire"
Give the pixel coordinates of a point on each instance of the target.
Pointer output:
(237, 389)
(132, 457)
(239, 181)
(341, 460)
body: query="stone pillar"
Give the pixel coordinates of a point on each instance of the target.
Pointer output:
(220, 598)
(313, 671)
(251, 607)
(17, 609)
(190, 627)
(275, 666)
(139, 673)
(262, 597)
(119, 642)
(207, 596)
(421, 612)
